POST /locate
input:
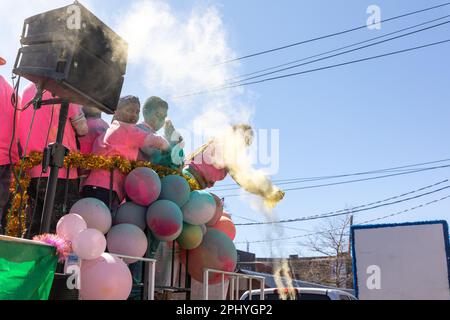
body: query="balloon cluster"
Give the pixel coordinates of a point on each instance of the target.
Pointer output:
(103, 276)
(170, 210)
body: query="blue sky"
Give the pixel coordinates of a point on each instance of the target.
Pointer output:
(378, 114)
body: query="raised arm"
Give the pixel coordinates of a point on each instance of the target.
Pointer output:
(257, 183)
(155, 141)
(79, 124)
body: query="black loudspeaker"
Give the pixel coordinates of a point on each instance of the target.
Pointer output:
(74, 55)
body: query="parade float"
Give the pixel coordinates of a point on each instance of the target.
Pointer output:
(165, 217)
(166, 236)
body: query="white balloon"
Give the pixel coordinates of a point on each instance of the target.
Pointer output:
(70, 225)
(95, 213)
(89, 244)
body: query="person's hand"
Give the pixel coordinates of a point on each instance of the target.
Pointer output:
(171, 134)
(277, 195)
(169, 129)
(165, 146)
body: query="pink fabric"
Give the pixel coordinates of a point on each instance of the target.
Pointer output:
(40, 129)
(97, 127)
(6, 124)
(203, 164)
(121, 139)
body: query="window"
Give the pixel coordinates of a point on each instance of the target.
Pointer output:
(301, 297)
(313, 297)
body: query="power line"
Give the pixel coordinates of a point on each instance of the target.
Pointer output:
(342, 212)
(377, 202)
(350, 174)
(342, 64)
(340, 53)
(253, 220)
(369, 221)
(333, 34)
(404, 171)
(407, 210)
(237, 187)
(317, 69)
(331, 51)
(354, 181)
(367, 179)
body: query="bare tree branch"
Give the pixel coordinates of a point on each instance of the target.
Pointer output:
(331, 241)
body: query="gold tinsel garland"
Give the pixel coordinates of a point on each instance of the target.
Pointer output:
(16, 226)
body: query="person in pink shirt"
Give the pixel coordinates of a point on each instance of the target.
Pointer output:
(6, 135)
(201, 167)
(37, 134)
(97, 126)
(123, 138)
(207, 165)
(225, 155)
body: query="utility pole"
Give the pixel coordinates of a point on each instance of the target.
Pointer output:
(349, 255)
(349, 238)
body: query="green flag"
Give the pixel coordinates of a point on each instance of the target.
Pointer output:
(27, 269)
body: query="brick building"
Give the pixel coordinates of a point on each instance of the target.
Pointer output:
(327, 271)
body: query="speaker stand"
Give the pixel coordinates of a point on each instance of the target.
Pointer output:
(55, 159)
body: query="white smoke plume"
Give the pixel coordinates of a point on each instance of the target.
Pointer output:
(175, 54)
(283, 280)
(178, 55)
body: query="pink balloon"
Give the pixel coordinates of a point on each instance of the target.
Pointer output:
(95, 213)
(217, 251)
(70, 225)
(226, 215)
(127, 240)
(89, 244)
(226, 226)
(105, 278)
(218, 213)
(143, 186)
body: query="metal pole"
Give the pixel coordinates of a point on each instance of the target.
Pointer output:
(49, 201)
(187, 277)
(237, 288)
(179, 274)
(263, 286)
(223, 287)
(172, 267)
(205, 284)
(151, 282)
(250, 289)
(152, 248)
(232, 288)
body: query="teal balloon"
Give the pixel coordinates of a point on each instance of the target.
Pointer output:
(176, 189)
(200, 208)
(131, 213)
(127, 240)
(165, 220)
(191, 237)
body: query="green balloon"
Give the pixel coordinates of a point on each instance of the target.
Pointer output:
(191, 237)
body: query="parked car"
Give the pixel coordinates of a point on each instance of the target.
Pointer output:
(302, 294)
